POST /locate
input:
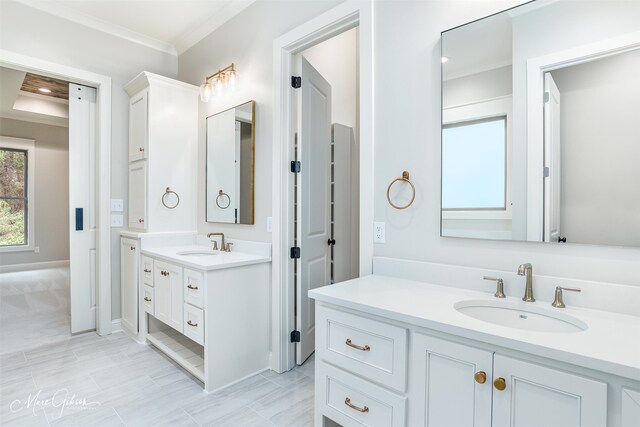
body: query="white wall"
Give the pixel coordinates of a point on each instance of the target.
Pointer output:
(599, 130)
(407, 137)
(51, 191)
(477, 87)
(32, 32)
(246, 40)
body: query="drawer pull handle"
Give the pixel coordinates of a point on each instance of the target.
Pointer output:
(147, 270)
(480, 377)
(191, 324)
(133, 248)
(500, 384)
(192, 287)
(347, 402)
(357, 347)
(147, 299)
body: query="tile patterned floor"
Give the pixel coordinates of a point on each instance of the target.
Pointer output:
(123, 383)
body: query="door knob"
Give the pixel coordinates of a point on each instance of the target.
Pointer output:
(480, 377)
(500, 384)
(562, 240)
(331, 242)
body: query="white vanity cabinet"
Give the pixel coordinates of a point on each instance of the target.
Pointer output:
(373, 371)
(163, 144)
(457, 384)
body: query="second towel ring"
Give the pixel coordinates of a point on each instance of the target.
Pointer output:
(167, 192)
(403, 178)
(222, 194)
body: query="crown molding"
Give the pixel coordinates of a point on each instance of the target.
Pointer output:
(100, 25)
(192, 36)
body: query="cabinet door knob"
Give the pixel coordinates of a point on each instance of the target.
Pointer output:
(347, 402)
(147, 299)
(133, 248)
(357, 347)
(500, 384)
(141, 149)
(480, 377)
(191, 324)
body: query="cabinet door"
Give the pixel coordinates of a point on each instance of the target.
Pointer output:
(129, 283)
(138, 126)
(138, 195)
(538, 396)
(451, 384)
(169, 299)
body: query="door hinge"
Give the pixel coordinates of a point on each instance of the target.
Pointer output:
(296, 82)
(296, 166)
(295, 252)
(546, 97)
(295, 336)
(546, 172)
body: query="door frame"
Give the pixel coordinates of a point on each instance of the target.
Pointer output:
(344, 17)
(536, 68)
(102, 84)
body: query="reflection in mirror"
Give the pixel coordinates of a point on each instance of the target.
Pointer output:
(540, 125)
(230, 165)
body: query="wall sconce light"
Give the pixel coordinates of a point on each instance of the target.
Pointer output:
(225, 78)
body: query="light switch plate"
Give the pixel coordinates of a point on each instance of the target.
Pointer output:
(117, 205)
(378, 232)
(269, 224)
(117, 220)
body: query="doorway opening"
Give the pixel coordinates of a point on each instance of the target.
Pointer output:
(48, 198)
(326, 183)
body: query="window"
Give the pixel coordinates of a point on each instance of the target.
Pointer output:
(16, 204)
(474, 171)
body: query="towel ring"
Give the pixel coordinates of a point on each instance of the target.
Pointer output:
(403, 178)
(167, 192)
(222, 194)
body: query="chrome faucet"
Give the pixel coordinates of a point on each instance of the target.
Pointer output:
(221, 240)
(527, 270)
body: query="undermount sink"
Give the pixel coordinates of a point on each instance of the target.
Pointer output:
(196, 253)
(520, 316)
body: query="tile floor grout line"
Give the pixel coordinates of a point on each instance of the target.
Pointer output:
(189, 415)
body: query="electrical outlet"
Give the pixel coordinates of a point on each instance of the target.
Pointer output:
(269, 224)
(117, 220)
(378, 232)
(117, 205)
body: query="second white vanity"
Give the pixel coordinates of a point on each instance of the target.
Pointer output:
(394, 352)
(208, 312)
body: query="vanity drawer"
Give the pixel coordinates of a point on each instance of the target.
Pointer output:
(352, 401)
(147, 271)
(194, 323)
(194, 288)
(147, 299)
(373, 349)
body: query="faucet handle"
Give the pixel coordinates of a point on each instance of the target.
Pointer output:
(215, 245)
(500, 287)
(558, 301)
(228, 248)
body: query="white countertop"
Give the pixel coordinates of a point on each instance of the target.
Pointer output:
(205, 262)
(610, 344)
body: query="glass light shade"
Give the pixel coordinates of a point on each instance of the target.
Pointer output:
(219, 84)
(232, 80)
(205, 92)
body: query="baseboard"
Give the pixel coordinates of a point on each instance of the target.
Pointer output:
(116, 326)
(33, 266)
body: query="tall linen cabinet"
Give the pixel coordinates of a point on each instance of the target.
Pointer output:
(163, 149)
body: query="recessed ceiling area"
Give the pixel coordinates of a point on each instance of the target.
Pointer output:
(172, 26)
(47, 86)
(33, 105)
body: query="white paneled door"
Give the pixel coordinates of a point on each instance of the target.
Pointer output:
(313, 208)
(552, 162)
(82, 214)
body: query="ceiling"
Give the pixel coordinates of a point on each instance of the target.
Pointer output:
(31, 106)
(172, 26)
(56, 88)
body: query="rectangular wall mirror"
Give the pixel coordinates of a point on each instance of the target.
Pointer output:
(541, 125)
(230, 165)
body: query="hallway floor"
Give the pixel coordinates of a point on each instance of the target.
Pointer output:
(122, 382)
